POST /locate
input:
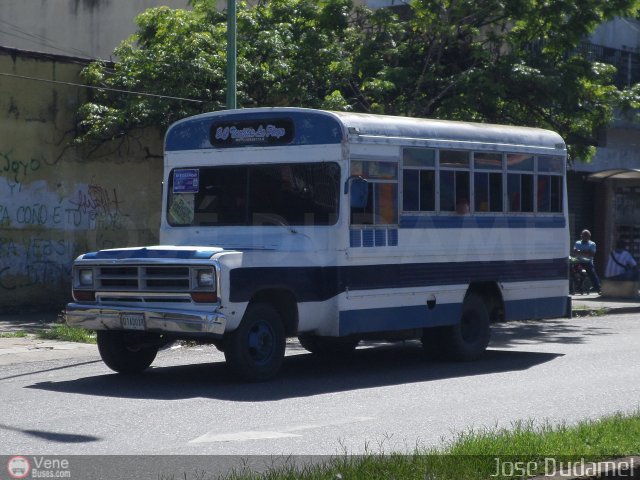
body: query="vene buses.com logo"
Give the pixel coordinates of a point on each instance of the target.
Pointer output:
(18, 467)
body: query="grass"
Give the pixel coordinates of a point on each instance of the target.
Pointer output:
(617, 434)
(591, 441)
(522, 451)
(57, 332)
(18, 334)
(68, 334)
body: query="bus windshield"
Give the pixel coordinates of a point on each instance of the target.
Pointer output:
(274, 194)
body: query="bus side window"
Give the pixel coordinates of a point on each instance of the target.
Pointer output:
(549, 183)
(382, 193)
(419, 180)
(362, 214)
(359, 189)
(487, 181)
(520, 182)
(386, 203)
(454, 180)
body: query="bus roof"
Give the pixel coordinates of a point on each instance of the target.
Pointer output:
(300, 126)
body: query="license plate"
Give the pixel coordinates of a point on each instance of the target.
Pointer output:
(132, 321)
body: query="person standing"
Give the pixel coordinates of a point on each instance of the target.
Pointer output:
(585, 250)
(621, 264)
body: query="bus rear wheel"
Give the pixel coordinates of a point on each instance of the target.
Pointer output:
(465, 341)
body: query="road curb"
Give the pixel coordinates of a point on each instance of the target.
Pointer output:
(595, 312)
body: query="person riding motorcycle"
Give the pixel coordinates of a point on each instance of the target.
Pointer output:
(585, 249)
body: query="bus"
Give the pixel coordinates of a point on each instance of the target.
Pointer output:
(335, 227)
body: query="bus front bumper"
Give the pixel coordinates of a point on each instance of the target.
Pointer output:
(176, 322)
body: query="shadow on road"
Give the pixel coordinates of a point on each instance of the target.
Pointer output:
(558, 330)
(53, 436)
(302, 375)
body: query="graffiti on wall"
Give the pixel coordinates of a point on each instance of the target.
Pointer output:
(37, 260)
(34, 260)
(44, 226)
(89, 206)
(16, 169)
(100, 205)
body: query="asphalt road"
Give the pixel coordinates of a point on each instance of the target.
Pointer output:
(386, 398)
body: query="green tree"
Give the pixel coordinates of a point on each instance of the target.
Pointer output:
(513, 61)
(289, 53)
(499, 61)
(175, 53)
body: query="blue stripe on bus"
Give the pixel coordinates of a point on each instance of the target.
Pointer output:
(537, 308)
(397, 318)
(481, 221)
(420, 316)
(312, 284)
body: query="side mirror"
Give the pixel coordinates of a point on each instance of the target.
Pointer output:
(359, 192)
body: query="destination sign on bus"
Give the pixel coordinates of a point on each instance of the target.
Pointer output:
(266, 132)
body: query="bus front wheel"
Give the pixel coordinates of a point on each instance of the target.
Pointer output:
(255, 350)
(126, 352)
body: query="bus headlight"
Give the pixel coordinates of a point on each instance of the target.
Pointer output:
(85, 277)
(205, 279)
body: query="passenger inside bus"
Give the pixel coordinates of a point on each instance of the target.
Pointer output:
(462, 206)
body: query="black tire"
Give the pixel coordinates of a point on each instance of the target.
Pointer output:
(586, 286)
(433, 342)
(255, 350)
(219, 344)
(326, 346)
(465, 341)
(581, 284)
(126, 352)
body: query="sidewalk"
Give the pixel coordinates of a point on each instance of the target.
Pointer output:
(594, 304)
(28, 322)
(30, 348)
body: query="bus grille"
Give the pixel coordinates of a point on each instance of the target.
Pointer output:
(143, 278)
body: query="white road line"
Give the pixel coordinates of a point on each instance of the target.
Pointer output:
(241, 436)
(287, 432)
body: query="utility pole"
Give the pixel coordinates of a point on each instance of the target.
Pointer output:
(231, 54)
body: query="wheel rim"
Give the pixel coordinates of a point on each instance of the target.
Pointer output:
(261, 342)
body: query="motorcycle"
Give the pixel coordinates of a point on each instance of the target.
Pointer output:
(579, 281)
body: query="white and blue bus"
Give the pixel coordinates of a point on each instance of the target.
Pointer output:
(335, 227)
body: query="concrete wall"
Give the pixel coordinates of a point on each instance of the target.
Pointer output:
(80, 28)
(55, 201)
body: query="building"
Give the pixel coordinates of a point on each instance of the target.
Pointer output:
(604, 195)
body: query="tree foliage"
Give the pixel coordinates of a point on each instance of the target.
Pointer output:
(498, 61)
